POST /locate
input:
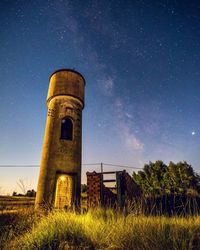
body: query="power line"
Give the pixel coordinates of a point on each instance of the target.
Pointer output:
(84, 164)
(18, 166)
(91, 164)
(34, 166)
(120, 166)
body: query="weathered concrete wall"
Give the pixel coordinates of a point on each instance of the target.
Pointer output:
(65, 99)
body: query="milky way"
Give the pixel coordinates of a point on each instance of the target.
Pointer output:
(141, 62)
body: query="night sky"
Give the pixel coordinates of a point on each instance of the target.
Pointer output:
(141, 62)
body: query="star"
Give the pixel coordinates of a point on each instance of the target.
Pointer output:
(193, 133)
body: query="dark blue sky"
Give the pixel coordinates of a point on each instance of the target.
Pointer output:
(141, 62)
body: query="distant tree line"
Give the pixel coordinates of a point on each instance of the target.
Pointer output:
(28, 193)
(32, 193)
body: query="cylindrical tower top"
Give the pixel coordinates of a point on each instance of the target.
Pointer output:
(66, 82)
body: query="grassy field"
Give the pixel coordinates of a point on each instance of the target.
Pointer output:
(14, 203)
(11, 203)
(99, 229)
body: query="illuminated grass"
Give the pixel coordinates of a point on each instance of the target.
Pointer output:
(104, 229)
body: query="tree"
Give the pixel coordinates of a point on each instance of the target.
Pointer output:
(30, 193)
(159, 179)
(181, 179)
(150, 179)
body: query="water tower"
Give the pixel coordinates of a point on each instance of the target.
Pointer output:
(59, 183)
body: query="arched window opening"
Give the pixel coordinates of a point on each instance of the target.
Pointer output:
(66, 129)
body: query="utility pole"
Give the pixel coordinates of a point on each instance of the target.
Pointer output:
(101, 167)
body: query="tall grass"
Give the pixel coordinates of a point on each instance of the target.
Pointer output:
(107, 229)
(14, 224)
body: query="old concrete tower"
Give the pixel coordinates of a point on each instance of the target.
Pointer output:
(60, 170)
